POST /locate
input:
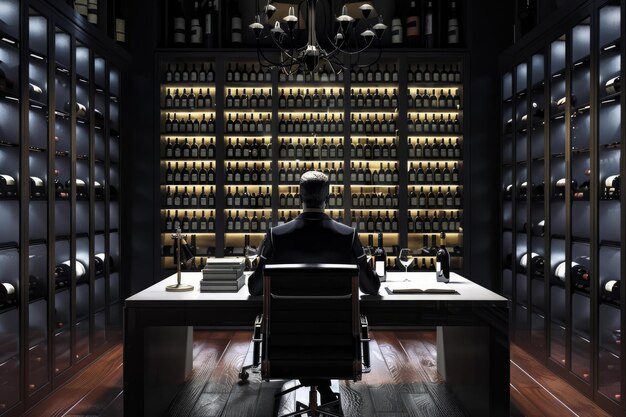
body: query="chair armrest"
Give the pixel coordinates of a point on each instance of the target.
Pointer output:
(365, 344)
(258, 323)
(257, 339)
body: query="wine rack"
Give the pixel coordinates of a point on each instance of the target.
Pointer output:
(434, 144)
(60, 135)
(562, 229)
(269, 128)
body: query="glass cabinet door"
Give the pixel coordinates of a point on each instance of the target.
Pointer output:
(580, 172)
(507, 187)
(535, 262)
(38, 144)
(62, 147)
(610, 214)
(85, 118)
(10, 293)
(557, 227)
(521, 135)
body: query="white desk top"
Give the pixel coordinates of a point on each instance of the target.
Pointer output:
(467, 290)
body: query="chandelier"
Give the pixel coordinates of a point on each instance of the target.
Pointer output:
(339, 52)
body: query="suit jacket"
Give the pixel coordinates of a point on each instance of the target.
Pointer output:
(313, 237)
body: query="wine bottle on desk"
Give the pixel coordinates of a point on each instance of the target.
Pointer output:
(443, 261)
(380, 259)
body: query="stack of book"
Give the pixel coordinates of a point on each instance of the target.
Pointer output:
(223, 275)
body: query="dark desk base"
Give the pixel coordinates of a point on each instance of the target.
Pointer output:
(474, 347)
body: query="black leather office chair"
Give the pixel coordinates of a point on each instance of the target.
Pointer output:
(311, 328)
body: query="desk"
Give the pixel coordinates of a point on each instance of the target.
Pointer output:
(472, 337)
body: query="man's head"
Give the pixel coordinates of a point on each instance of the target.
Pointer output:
(313, 189)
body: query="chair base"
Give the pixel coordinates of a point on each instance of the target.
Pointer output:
(312, 409)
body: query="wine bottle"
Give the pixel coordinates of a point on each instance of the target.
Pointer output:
(8, 294)
(380, 259)
(209, 25)
(195, 34)
(235, 25)
(578, 274)
(82, 7)
(443, 261)
(413, 26)
(429, 37)
(179, 25)
(8, 186)
(536, 264)
(396, 31)
(120, 22)
(99, 263)
(612, 188)
(611, 289)
(92, 12)
(613, 85)
(453, 26)
(62, 275)
(37, 187)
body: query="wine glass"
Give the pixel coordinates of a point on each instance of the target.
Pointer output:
(251, 253)
(406, 258)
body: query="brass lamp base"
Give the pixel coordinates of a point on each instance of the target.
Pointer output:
(179, 287)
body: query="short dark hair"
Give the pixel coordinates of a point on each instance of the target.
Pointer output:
(313, 188)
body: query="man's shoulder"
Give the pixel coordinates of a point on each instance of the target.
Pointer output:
(341, 228)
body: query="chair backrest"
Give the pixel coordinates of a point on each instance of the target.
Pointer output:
(311, 322)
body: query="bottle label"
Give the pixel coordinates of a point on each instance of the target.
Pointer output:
(453, 31)
(196, 31)
(396, 31)
(380, 268)
(236, 30)
(120, 30)
(412, 27)
(429, 24)
(179, 30)
(208, 24)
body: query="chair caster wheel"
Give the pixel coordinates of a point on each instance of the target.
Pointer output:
(243, 376)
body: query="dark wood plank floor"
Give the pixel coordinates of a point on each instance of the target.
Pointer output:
(403, 383)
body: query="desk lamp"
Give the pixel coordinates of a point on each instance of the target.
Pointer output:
(182, 255)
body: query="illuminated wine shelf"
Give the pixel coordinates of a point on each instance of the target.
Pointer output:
(350, 128)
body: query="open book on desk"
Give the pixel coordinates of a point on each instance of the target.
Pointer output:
(416, 288)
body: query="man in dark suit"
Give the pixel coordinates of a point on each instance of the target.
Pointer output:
(314, 237)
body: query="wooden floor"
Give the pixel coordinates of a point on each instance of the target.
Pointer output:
(403, 383)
